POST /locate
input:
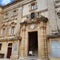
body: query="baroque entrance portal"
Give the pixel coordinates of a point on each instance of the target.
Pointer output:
(33, 33)
(33, 43)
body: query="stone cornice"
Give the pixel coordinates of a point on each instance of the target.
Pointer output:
(56, 35)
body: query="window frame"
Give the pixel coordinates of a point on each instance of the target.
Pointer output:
(3, 31)
(0, 46)
(53, 52)
(34, 5)
(12, 31)
(32, 15)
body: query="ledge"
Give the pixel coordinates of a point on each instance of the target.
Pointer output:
(10, 38)
(54, 35)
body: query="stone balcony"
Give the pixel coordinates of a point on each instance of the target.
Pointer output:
(14, 37)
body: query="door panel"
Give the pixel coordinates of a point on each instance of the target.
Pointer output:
(33, 43)
(9, 52)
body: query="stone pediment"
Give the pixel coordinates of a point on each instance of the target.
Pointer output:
(35, 20)
(4, 25)
(13, 23)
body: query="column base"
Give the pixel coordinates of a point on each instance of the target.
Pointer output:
(21, 58)
(14, 57)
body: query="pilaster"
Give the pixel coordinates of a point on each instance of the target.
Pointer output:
(42, 40)
(15, 50)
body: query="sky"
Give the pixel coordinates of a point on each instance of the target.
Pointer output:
(5, 2)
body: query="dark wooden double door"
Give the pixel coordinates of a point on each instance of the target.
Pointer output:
(33, 43)
(9, 51)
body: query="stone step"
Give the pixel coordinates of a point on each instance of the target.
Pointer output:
(23, 59)
(29, 58)
(4, 59)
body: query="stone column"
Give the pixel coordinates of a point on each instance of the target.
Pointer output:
(42, 53)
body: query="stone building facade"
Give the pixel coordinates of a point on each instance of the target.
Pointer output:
(30, 28)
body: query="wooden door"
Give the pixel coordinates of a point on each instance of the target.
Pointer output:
(33, 43)
(9, 52)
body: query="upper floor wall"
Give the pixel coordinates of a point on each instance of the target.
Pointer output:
(27, 6)
(17, 12)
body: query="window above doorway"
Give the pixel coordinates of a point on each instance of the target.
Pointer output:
(33, 6)
(32, 15)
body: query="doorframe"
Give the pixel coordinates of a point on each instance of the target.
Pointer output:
(8, 48)
(28, 41)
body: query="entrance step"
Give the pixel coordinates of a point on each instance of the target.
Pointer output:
(29, 58)
(4, 59)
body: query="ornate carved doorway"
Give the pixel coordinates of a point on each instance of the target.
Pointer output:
(33, 43)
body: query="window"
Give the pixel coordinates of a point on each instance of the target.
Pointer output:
(57, 1)
(0, 46)
(10, 45)
(6, 13)
(12, 30)
(33, 6)
(58, 13)
(3, 31)
(32, 15)
(14, 10)
(15, 13)
(55, 48)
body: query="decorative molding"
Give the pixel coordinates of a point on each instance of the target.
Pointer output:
(35, 20)
(9, 38)
(13, 23)
(56, 35)
(4, 26)
(32, 26)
